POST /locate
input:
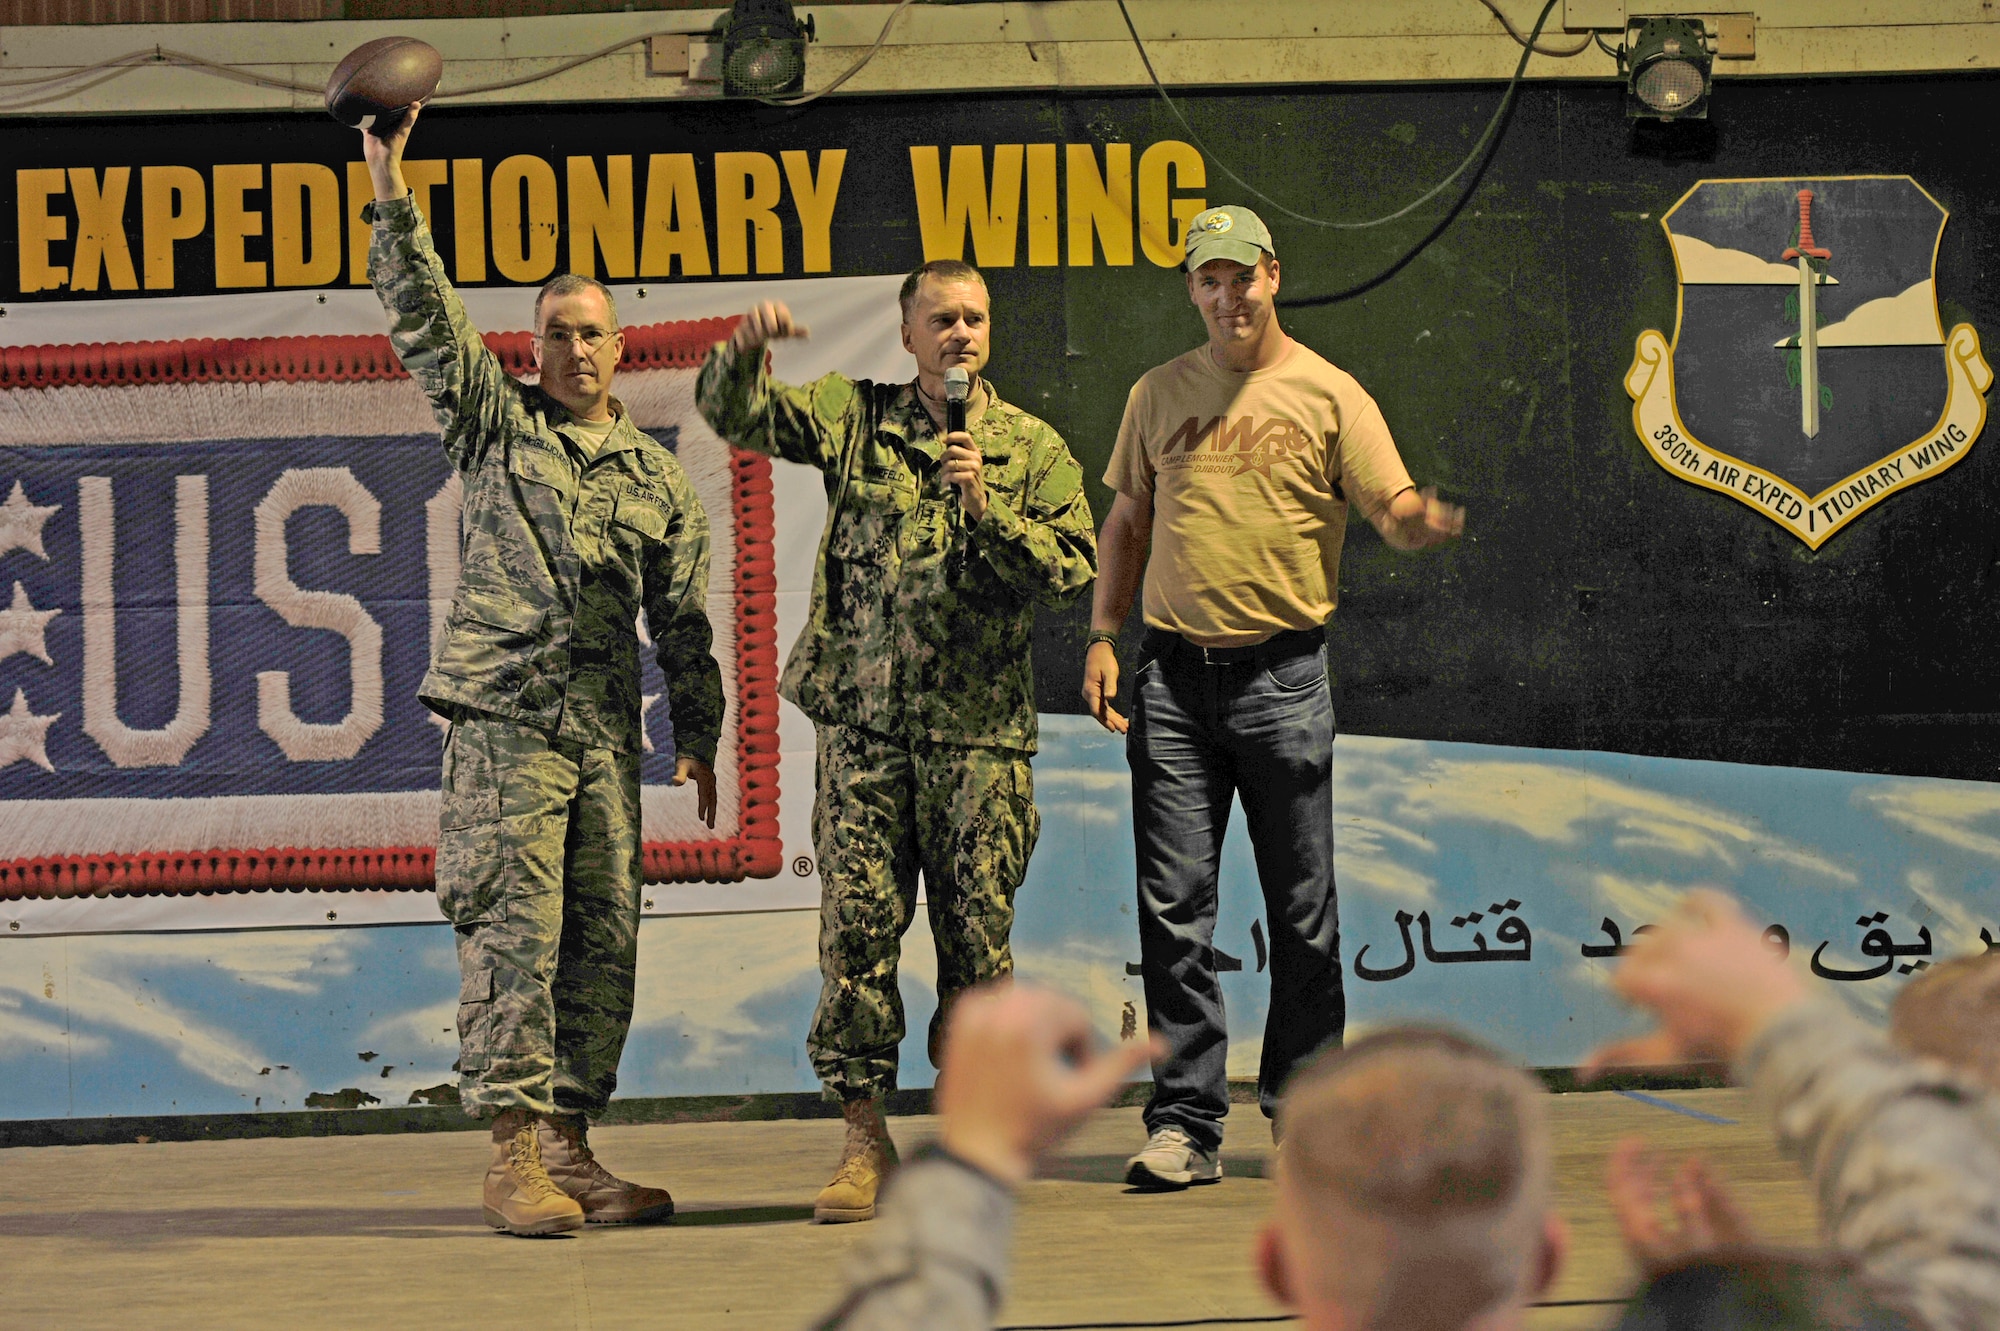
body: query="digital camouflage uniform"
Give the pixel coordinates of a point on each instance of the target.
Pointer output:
(914, 664)
(562, 544)
(1903, 1155)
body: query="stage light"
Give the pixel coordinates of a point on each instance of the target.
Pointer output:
(764, 49)
(1667, 62)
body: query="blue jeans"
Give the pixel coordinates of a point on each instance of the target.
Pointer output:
(1201, 734)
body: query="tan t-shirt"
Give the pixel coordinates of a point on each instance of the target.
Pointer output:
(592, 434)
(1250, 476)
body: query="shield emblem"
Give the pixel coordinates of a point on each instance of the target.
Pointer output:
(1809, 375)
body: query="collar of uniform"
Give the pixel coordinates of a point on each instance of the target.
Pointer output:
(621, 437)
(906, 419)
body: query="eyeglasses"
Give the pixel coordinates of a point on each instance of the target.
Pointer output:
(559, 339)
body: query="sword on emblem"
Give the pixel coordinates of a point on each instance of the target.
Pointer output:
(1805, 252)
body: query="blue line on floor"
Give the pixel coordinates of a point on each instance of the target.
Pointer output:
(1658, 1103)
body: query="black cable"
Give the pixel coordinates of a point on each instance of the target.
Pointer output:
(1222, 166)
(523, 80)
(1498, 130)
(1560, 52)
(851, 70)
(1299, 216)
(1489, 142)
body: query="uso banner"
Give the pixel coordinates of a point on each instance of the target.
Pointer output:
(227, 561)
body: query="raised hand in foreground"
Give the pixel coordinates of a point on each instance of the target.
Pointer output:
(1709, 977)
(1021, 1071)
(1665, 1226)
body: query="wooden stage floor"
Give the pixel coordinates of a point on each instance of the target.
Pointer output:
(347, 1231)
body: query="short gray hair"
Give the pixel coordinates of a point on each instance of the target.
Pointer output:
(941, 270)
(568, 284)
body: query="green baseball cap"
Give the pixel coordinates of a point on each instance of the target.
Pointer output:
(1228, 232)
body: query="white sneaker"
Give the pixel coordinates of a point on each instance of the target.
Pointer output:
(1171, 1161)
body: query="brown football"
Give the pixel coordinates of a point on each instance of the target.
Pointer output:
(378, 80)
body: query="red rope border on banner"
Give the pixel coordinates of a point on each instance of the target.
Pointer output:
(347, 359)
(754, 852)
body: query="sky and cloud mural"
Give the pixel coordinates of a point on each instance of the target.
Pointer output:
(1476, 884)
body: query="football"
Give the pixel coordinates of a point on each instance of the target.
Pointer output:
(378, 80)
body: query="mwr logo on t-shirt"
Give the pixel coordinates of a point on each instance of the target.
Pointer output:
(1229, 446)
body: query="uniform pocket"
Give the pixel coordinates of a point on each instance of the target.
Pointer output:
(471, 874)
(470, 789)
(1006, 477)
(870, 520)
(497, 610)
(544, 466)
(642, 516)
(489, 637)
(475, 1021)
(1024, 802)
(469, 868)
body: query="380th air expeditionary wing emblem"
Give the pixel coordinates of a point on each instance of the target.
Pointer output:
(1810, 376)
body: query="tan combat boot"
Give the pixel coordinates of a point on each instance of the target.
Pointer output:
(520, 1198)
(605, 1198)
(864, 1161)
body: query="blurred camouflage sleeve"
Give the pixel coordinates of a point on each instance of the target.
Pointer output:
(1048, 554)
(676, 600)
(1904, 1156)
(744, 405)
(936, 1259)
(431, 332)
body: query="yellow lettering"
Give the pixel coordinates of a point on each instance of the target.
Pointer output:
(1163, 219)
(1043, 239)
(524, 243)
(468, 218)
(37, 227)
(813, 200)
(600, 218)
(947, 209)
(235, 223)
(305, 224)
(173, 205)
(100, 229)
(672, 195)
(1100, 203)
(360, 189)
(423, 177)
(746, 196)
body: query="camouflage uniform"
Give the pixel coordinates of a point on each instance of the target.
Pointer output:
(562, 544)
(1903, 1154)
(915, 665)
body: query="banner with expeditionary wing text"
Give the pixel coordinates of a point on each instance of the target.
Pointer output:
(227, 534)
(224, 562)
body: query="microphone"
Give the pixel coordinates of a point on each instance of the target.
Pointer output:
(957, 388)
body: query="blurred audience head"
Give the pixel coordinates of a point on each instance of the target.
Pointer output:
(1951, 1012)
(1413, 1188)
(1757, 1290)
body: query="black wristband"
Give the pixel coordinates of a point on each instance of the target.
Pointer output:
(1100, 635)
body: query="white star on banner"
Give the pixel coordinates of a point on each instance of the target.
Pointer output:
(25, 735)
(21, 523)
(24, 628)
(646, 702)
